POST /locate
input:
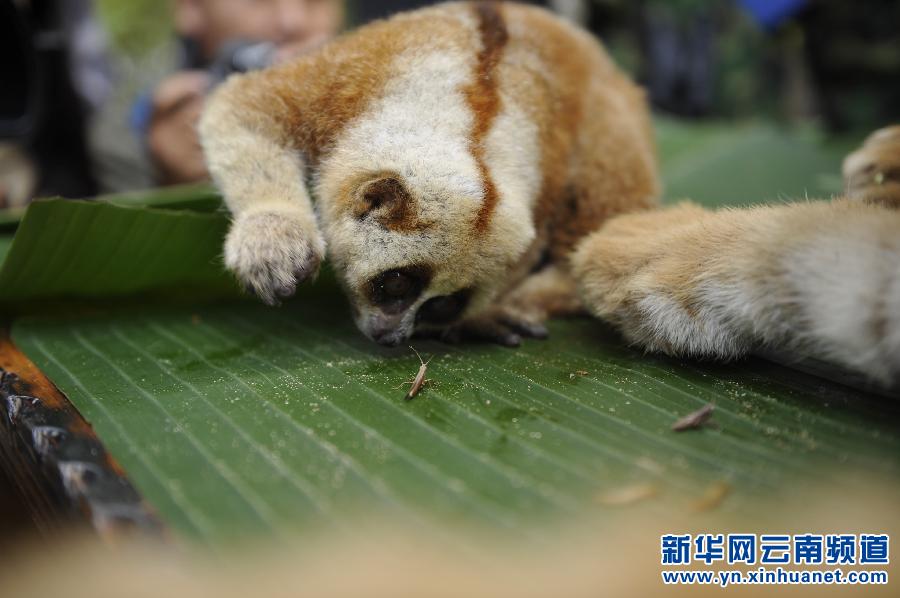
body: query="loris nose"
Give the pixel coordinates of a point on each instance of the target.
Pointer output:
(387, 331)
(388, 339)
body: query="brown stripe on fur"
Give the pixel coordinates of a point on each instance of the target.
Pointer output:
(594, 133)
(484, 99)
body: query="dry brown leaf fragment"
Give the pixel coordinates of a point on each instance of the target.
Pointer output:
(712, 497)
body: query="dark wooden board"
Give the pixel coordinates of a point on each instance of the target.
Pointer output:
(60, 469)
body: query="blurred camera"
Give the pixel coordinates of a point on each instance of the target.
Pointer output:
(241, 56)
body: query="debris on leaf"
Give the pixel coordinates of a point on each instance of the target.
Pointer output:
(626, 495)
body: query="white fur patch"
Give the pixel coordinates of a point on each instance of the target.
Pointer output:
(421, 129)
(418, 129)
(848, 285)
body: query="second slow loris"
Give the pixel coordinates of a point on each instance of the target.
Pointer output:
(454, 159)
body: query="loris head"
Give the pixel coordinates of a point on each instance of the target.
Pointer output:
(410, 244)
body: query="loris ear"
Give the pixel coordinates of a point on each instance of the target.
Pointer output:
(384, 196)
(387, 200)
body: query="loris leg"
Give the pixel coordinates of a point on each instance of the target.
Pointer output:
(274, 242)
(523, 310)
(820, 279)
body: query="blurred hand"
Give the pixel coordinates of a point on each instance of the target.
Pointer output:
(172, 136)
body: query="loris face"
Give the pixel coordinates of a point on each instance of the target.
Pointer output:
(407, 252)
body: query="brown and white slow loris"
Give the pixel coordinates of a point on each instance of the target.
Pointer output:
(454, 159)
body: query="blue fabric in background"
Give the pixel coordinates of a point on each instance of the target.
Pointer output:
(772, 13)
(140, 114)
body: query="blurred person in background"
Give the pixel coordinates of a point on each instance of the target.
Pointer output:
(167, 119)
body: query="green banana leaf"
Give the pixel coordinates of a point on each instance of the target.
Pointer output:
(65, 249)
(238, 419)
(234, 419)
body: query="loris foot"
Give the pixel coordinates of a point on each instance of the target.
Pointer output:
(872, 173)
(271, 251)
(522, 311)
(496, 326)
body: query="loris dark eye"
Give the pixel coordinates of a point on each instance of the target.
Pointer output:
(394, 290)
(396, 284)
(444, 309)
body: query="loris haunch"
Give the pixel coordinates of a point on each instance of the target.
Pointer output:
(465, 167)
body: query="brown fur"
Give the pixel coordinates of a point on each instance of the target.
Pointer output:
(484, 99)
(598, 154)
(336, 84)
(597, 148)
(817, 279)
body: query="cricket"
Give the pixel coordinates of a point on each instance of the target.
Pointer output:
(419, 381)
(694, 420)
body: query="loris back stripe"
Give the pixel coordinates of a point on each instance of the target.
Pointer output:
(484, 99)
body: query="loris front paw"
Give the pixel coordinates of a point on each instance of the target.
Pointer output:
(272, 251)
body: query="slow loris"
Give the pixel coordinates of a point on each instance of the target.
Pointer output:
(470, 168)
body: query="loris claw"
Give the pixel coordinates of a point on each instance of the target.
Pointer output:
(271, 252)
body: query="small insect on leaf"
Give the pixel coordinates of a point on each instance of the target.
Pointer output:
(419, 380)
(694, 420)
